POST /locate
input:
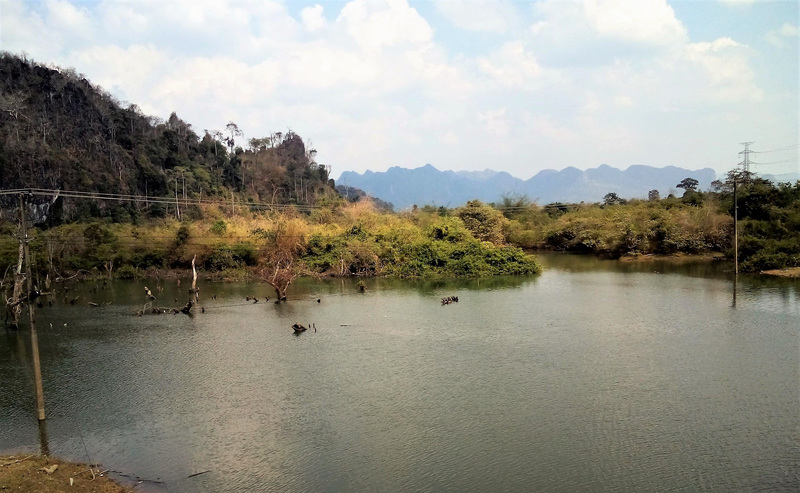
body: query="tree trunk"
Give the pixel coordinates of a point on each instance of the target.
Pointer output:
(281, 278)
(19, 278)
(194, 280)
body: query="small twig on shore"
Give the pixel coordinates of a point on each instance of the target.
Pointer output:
(136, 478)
(18, 460)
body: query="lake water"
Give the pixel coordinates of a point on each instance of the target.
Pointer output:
(593, 376)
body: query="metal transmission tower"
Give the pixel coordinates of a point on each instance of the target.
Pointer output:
(745, 164)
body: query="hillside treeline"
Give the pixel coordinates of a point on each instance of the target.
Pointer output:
(59, 131)
(698, 222)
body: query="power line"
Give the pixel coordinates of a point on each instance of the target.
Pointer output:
(785, 148)
(155, 200)
(778, 162)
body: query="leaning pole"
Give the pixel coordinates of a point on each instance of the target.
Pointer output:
(37, 368)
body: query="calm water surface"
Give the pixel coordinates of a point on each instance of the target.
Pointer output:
(593, 376)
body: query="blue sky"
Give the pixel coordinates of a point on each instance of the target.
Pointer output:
(518, 86)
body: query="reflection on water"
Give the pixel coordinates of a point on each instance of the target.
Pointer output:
(687, 266)
(594, 375)
(44, 446)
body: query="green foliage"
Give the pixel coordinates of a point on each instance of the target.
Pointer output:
(127, 272)
(143, 259)
(612, 198)
(484, 222)
(223, 256)
(219, 227)
(97, 234)
(182, 236)
(443, 248)
(692, 197)
(688, 184)
(770, 225)
(639, 227)
(449, 229)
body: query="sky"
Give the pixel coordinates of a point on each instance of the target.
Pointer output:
(516, 86)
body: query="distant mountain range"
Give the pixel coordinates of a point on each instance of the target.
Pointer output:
(429, 186)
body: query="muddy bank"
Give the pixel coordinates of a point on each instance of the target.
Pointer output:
(678, 257)
(793, 272)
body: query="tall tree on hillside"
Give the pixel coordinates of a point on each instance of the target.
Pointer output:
(234, 130)
(688, 184)
(612, 198)
(14, 105)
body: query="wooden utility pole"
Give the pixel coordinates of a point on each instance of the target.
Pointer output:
(735, 229)
(37, 368)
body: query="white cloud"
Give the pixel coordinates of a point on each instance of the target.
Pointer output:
(725, 64)
(778, 37)
(118, 68)
(549, 131)
(72, 20)
(495, 122)
(511, 66)
(646, 21)
(737, 2)
(313, 19)
(623, 101)
(479, 15)
(375, 24)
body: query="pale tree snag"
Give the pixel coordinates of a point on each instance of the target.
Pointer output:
(15, 303)
(280, 275)
(195, 291)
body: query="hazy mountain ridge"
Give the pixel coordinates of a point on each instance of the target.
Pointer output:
(427, 185)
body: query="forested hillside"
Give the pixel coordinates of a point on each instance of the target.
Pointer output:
(59, 131)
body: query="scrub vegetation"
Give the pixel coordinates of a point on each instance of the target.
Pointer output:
(698, 222)
(344, 239)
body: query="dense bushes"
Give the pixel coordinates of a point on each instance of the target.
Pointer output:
(769, 230)
(352, 240)
(445, 248)
(770, 227)
(639, 227)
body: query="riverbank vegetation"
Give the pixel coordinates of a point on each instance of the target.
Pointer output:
(697, 223)
(342, 239)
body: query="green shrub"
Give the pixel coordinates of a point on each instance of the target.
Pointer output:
(219, 227)
(127, 272)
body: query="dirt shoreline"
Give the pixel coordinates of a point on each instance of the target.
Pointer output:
(791, 272)
(38, 473)
(678, 257)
